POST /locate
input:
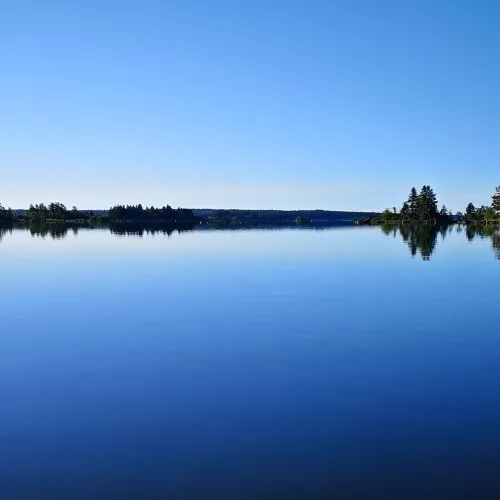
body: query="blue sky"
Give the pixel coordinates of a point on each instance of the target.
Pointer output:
(249, 104)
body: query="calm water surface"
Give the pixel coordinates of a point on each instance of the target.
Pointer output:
(342, 363)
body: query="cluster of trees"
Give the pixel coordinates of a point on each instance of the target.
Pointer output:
(55, 212)
(423, 207)
(58, 212)
(137, 213)
(6, 214)
(485, 214)
(420, 207)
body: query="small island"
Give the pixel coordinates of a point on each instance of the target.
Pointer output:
(422, 208)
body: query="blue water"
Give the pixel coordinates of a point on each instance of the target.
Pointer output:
(249, 364)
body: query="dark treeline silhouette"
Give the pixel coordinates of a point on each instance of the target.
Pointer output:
(58, 212)
(54, 212)
(270, 217)
(6, 214)
(137, 213)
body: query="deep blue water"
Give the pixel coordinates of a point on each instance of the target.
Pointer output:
(249, 364)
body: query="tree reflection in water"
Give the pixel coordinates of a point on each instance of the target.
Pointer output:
(4, 229)
(422, 239)
(486, 231)
(60, 231)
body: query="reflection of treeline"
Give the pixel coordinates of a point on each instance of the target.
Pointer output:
(4, 230)
(58, 231)
(422, 238)
(137, 230)
(54, 231)
(485, 231)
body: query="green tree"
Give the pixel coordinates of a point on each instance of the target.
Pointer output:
(387, 216)
(427, 204)
(481, 213)
(496, 199)
(490, 214)
(405, 211)
(413, 204)
(471, 212)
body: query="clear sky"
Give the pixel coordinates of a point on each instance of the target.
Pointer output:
(249, 103)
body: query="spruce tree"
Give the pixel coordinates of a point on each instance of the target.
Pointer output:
(413, 204)
(427, 204)
(496, 199)
(422, 210)
(405, 211)
(432, 203)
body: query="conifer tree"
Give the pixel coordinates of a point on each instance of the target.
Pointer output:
(412, 204)
(496, 199)
(427, 204)
(405, 211)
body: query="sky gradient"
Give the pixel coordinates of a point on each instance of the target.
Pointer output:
(249, 104)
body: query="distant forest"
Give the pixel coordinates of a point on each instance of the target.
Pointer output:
(235, 216)
(57, 212)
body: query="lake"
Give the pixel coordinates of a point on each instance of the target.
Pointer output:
(294, 363)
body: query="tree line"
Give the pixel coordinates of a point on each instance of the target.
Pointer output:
(58, 212)
(138, 213)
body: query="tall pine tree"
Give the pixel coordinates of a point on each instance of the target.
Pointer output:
(496, 199)
(412, 204)
(427, 206)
